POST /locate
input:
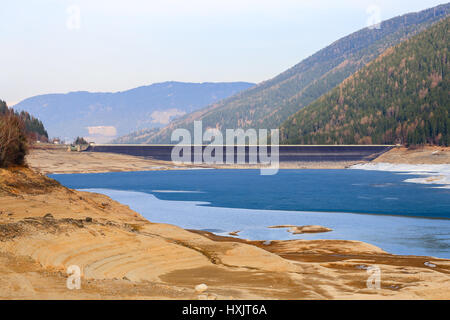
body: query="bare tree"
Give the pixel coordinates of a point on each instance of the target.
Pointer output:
(13, 140)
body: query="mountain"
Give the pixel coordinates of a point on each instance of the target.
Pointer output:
(136, 137)
(103, 116)
(401, 97)
(270, 103)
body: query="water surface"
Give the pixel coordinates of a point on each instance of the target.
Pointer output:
(372, 206)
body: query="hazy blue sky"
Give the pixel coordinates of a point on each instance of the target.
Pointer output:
(119, 45)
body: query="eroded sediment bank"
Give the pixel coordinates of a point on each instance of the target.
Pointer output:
(45, 227)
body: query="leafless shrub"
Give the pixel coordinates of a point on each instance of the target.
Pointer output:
(13, 140)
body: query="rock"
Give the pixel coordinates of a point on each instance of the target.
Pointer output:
(88, 219)
(282, 226)
(201, 288)
(304, 229)
(49, 216)
(212, 297)
(77, 222)
(361, 267)
(234, 233)
(202, 297)
(393, 287)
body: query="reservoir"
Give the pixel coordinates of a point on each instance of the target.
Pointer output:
(377, 207)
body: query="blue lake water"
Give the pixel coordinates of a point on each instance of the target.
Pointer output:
(372, 206)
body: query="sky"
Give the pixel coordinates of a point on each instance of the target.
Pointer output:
(58, 46)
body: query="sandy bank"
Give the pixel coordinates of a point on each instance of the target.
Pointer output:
(419, 155)
(303, 229)
(296, 165)
(56, 159)
(45, 227)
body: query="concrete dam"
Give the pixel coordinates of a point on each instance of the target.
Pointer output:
(287, 153)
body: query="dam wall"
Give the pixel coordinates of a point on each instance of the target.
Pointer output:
(287, 153)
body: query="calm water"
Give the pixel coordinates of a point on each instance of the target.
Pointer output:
(227, 200)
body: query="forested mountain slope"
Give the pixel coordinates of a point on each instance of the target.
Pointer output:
(401, 97)
(270, 103)
(33, 126)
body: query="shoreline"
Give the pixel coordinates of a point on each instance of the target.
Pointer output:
(56, 159)
(252, 223)
(331, 242)
(392, 154)
(45, 227)
(294, 211)
(432, 174)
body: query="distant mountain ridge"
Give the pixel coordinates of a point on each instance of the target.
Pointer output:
(270, 103)
(401, 97)
(103, 115)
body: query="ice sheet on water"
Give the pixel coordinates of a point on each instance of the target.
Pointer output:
(437, 174)
(395, 234)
